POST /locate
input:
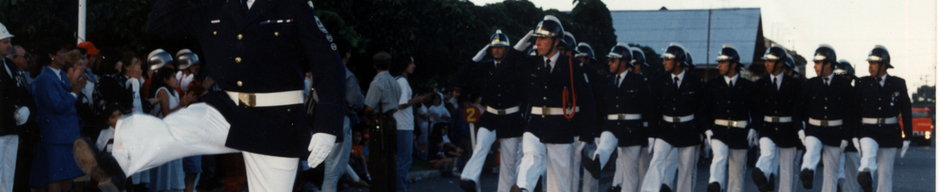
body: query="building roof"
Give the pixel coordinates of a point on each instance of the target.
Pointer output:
(739, 27)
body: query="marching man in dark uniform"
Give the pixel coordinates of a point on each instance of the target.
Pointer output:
(260, 112)
(881, 98)
(824, 105)
(776, 95)
(553, 85)
(587, 120)
(729, 109)
(626, 100)
(849, 161)
(500, 89)
(676, 97)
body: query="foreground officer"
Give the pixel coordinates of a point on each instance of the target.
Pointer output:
(500, 89)
(776, 94)
(676, 98)
(729, 109)
(824, 105)
(626, 99)
(552, 90)
(880, 98)
(259, 113)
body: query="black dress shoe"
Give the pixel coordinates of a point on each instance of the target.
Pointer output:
(865, 180)
(515, 188)
(99, 166)
(807, 177)
(614, 189)
(760, 180)
(714, 187)
(468, 185)
(592, 166)
(664, 188)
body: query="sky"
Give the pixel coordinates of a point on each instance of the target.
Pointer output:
(907, 28)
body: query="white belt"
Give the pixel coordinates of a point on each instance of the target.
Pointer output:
(880, 121)
(730, 123)
(624, 116)
(678, 119)
(825, 123)
(267, 99)
(505, 111)
(778, 119)
(552, 110)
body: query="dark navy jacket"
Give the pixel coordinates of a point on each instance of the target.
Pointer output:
(588, 124)
(686, 100)
(819, 101)
(775, 102)
(265, 49)
(892, 100)
(631, 97)
(544, 89)
(731, 103)
(8, 98)
(500, 87)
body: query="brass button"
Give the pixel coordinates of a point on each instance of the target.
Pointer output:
(879, 108)
(499, 95)
(618, 123)
(776, 129)
(239, 36)
(729, 101)
(238, 59)
(673, 108)
(727, 111)
(276, 33)
(546, 87)
(826, 99)
(215, 32)
(239, 83)
(825, 116)
(825, 107)
(879, 99)
(616, 97)
(499, 85)
(288, 110)
(544, 98)
(617, 106)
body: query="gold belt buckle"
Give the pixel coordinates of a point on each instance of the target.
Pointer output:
(501, 112)
(545, 111)
(823, 123)
(775, 120)
(622, 116)
(246, 99)
(732, 123)
(881, 121)
(675, 119)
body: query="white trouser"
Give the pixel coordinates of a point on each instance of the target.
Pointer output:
(727, 163)
(772, 157)
(659, 168)
(509, 150)
(534, 163)
(850, 183)
(8, 146)
(336, 163)
(628, 168)
(878, 159)
(142, 142)
(816, 151)
(575, 179)
(644, 164)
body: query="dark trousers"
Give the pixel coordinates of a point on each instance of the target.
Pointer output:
(382, 147)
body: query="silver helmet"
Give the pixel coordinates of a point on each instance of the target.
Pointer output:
(158, 58)
(186, 58)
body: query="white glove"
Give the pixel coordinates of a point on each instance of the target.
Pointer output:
(481, 54)
(524, 42)
(751, 137)
(843, 144)
(608, 143)
(802, 135)
(857, 144)
(652, 141)
(708, 135)
(320, 146)
(21, 115)
(907, 143)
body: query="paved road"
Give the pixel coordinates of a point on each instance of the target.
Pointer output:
(915, 172)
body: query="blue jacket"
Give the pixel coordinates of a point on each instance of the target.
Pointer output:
(58, 121)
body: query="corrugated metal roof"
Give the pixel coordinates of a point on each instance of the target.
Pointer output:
(655, 28)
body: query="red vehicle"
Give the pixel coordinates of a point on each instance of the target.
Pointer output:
(923, 125)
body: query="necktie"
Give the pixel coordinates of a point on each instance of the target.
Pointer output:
(826, 80)
(548, 68)
(244, 7)
(730, 83)
(676, 80)
(878, 79)
(21, 77)
(617, 81)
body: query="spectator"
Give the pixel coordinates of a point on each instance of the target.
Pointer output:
(56, 89)
(28, 132)
(402, 66)
(381, 102)
(446, 154)
(422, 123)
(110, 88)
(438, 113)
(359, 154)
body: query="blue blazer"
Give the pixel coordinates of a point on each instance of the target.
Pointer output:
(58, 121)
